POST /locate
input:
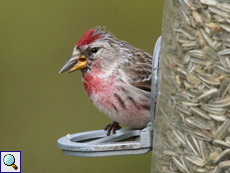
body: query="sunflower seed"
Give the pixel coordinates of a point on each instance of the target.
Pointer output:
(222, 156)
(219, 12)
(218, 117)
(208, 94)
(193, 79)
(200, 112)
(178, 163)
(222, 130)
(210, 79)
(170, 153)
(227, 140)
(196, 160)
(224, 86)
(221, 103)
(221, 143)
(224, 164)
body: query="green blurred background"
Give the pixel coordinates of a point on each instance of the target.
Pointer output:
(38, 105)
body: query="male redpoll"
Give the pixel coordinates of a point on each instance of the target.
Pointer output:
(116, 77)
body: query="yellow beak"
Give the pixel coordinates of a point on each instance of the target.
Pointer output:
(74, 63)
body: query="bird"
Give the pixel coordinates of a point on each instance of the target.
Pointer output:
(116, 76)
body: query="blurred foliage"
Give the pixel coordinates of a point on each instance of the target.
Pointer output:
(38, 105)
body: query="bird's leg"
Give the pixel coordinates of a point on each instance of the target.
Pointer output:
(112, 127)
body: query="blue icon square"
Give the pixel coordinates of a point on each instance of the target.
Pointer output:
(10, 161)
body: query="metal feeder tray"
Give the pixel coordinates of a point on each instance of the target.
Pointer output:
(97, 144)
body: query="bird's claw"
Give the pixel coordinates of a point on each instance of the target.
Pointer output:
(112, 127)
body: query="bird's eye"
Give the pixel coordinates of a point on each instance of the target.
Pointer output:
(94, 50)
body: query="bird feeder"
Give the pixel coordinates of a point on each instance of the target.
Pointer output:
(124, 142)
(192, 123)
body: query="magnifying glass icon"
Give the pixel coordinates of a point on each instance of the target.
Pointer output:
(9, 160)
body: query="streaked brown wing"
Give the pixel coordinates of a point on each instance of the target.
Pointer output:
(139, 70)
